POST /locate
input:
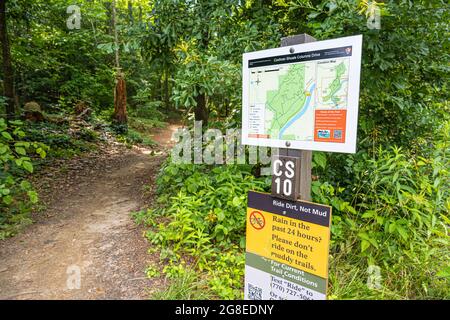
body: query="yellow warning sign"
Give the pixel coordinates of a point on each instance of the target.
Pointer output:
(297, 243)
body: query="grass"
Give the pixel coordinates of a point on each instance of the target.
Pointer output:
(184, 287)
(144, 124)
(139, 131)
(135, 137)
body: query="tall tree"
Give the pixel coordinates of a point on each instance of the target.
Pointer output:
(120, 92)
(116, 38)
(8, 75)
(204, 10)
(130, 12)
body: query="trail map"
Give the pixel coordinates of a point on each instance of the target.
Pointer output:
(299, 97)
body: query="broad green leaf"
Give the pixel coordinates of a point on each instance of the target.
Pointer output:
(364, 245)
(16, 122)
(33, 196)
(320, 159)
(22, 144)
(6, 135)
(43, 154)
(445, 273)
(236, 201)
(242, 242)
(21, 151)
(220, 215)
(402, 232)
(363, 235)
(368, 214)
(25, 185)
(28, 166)
(392, 227)
(7, 200)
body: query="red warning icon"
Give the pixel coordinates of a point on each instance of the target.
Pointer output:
(257, 220)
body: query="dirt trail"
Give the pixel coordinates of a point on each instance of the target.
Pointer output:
(86, 228)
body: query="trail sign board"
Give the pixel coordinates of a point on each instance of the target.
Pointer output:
(285, 174)
(287, 247)
(305, 95)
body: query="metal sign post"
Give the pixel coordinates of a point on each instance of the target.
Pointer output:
(302, 176)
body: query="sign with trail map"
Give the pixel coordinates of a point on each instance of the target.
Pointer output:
(287, 244)
(306, 94)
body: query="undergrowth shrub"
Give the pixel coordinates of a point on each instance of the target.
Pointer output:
(206, 219)
(16, 162)
(61, 140)
(395, 221)
(399, 224)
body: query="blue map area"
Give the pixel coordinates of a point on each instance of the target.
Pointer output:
(299, 114)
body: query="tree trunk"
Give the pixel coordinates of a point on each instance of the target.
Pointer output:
(227, 104)
(120, 100)
(116, 37)
(130, 12)
(120, 91)
(166, 90)
(108, 12)
(201, 112)
(160, 88)
(8, 80)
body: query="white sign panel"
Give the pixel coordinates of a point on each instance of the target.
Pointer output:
(303, 96)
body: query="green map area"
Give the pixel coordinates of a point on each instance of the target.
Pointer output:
(288, 99)
(336, 84)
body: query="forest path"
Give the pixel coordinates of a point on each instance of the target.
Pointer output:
(86, 228)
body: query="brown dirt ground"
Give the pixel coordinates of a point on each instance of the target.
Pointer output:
(86, 224)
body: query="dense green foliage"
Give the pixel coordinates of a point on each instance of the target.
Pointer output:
(16, 193)
(397, 219)
(207, 216)
(390, 200)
